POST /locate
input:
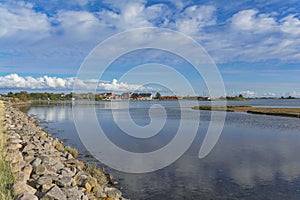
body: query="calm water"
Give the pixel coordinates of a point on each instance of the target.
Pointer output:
(256, 157)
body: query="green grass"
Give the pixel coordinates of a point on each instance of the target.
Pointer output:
(6, 177)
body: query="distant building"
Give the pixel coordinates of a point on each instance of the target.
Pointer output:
(141, 96)
(206, 98)
(169, 98)
(126, 96)
(107, 95)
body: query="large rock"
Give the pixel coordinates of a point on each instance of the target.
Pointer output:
(41, 169)
(21, 187)
(29, 158)
(44, 180)
(99, 192)
(13, 140)
(113, 192)
(73, 193)
(29, 147)
(27, 171)
(47, 160)
(47, 187)
(15, 157)
(54, 193)
(16, 167)
(59, 166)
(65, 181)
(36, 162)
(14, 146)
(27, 196)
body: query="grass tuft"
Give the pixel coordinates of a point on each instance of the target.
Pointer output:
(97, 173)
(71, 150)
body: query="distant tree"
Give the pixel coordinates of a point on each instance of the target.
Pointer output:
(157, 95)
(10, 94)
(23, 95)
(241, 96)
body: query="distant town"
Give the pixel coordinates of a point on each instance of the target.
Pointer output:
(24, 96)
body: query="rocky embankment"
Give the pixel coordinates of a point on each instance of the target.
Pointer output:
(44, 169)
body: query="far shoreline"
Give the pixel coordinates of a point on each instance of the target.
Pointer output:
(274, 111)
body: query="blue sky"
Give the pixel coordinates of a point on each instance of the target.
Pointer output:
(255, 44)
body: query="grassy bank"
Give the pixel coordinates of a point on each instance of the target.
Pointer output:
(285, 112)
(6, 178)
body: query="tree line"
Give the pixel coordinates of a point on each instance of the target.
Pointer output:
(25, 96)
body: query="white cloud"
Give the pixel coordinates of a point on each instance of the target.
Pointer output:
(250, 20)
(20, 21)
(131, 14)
(247, 36)
(252, 36)
(291, 25)
(248, 93)
(293, 94)
(270, 94)
(14, 81)
(122, 87)
(80, 25)
(194, 18)
(81, 2)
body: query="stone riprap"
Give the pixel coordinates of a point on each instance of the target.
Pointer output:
(43, 170)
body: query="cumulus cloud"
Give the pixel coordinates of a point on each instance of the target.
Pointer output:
(19, 20)
(194, 18)
(126, 15)
(122, 87)
(291, 25)
(250, 20)
(14, 81)
(253, 36)
(235, 40)
(248, 93)
(293, 94)
(78, 24)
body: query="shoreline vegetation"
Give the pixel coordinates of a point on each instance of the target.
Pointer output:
(37, 166)
(24, 96)
(283, 112)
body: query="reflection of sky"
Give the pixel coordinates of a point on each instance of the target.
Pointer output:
(52, 114)
(250, 157)
(254, 152)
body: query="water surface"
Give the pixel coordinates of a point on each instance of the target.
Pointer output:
(256, 156)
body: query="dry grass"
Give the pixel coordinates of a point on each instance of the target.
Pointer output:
(71, 150)
(6, 178)
(97, 173)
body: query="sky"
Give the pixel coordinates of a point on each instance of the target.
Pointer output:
(254, 44)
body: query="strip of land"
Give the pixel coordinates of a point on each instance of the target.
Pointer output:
(6, 178)
(284, 112)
